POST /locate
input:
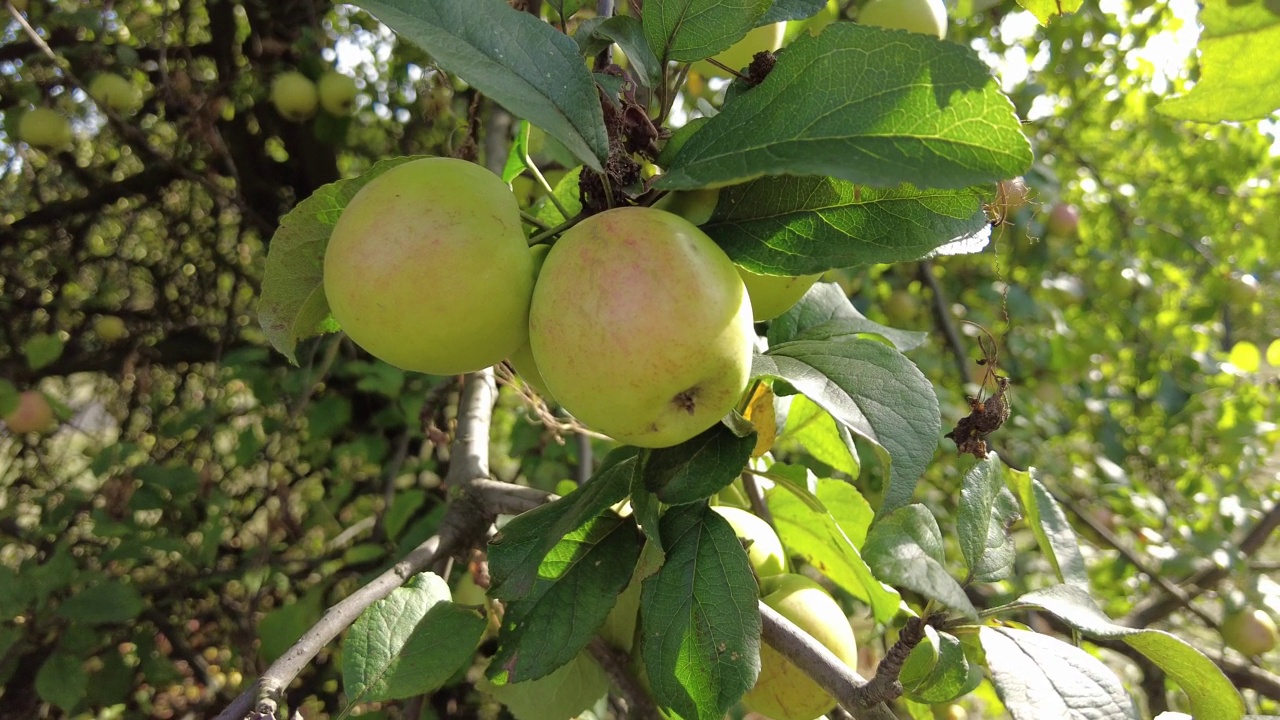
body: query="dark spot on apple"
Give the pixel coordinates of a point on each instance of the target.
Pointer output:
(687, 400)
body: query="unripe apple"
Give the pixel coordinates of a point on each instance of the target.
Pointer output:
(427, 268)
(927, 17)
(1012, 195)
(641, 327)
(522, 359)
(116, 93)
(294, 96)
(44, 128)
(337, 93)
(783, 691)
(33, 414)
(696, 206)
(815, 24)
(901, 306)
(740, 54)
(772, 295)
(764, 549)
(1250, 632)
(1063, 220)
(109, 328)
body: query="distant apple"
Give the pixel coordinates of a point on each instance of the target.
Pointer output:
(109, 328)
(1250, 632)
(294, 96)
(33, 414)
(337, 93)
(927, 17)
(44, 128)
(116, 93)
(1063, 220)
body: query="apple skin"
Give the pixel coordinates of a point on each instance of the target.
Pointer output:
(116, 93)
(1250, 632)
(772, 295)
(740, 54)
(33, 414)
(1063, 220)
(427, 268)
(927, 17)
(110, 328)
(294, 96)
(696, 206)
(765, 551)
(783, 691)
(522, 359)
(44, 128)
(337, 93)
(641, 327)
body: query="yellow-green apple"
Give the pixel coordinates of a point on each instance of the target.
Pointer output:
(641, 327)
(44, 128)
(116, 93)
(427, 268)
(696, 206)
(927, 17)
(783, 691)
(740, 54)
(772, 295)
(1064, 220)
(1250, 632)
(33, 414)
(109, 328)
(294, 96)
(337, 93)
(816, 23)
(764, 549)
(522, 359)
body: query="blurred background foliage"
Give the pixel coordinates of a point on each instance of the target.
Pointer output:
(201, 501)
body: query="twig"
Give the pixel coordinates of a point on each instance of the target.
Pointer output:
(615, 664)
(586, 461)
(942, 317)
(756, 496)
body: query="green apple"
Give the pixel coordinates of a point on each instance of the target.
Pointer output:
(1250, 632)
(901, 306)
(815, 24)
(44, 128)
(772, 295)
(1064, 220)
(696, 206)
(294, 96)
(522, 359)
(33, 414)
(641, 327)
(337, 93)
(427, 268)
(109, 328)
(783, 691)
(764, 549)
(927, 17)
(116, 93)
(740, 54)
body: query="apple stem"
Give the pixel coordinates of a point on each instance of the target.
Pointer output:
(546, 186)
(551, 232)
(534, 221)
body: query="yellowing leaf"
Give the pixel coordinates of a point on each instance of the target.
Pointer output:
(762, 416)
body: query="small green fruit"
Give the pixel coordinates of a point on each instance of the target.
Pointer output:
(696, 206)
(1250, 632)
(116, 93)
(927, 17)
(772, 295)
(44, 128)
(109, 328)
(33, 414)
(337, 93)
(294, 96)
(764, 548)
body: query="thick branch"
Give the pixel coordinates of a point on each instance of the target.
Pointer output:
(615, 665)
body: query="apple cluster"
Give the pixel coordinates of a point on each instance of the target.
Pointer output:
(296, 97)
(49, 129)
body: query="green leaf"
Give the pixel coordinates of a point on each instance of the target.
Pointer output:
(565, 693)
(905, 549)
(42, 350)
(517, 553)
(806, 225)
(873, 390)
(578, 584)
(293, 305)
(1239, 75)
(699, 467)
(981, 524)
(565, 8)
(62, 681)
(699, 618)
(628, 33)
(907, 108)
(997, 561)
(645, 507)
(8, 398)
(829, 540)
(1045, 10)
(791, 10)
(1039, 677)
(947, 678)
(281, 628)
(566, 191)
(113, 601)
(527, 66)
(1212, 695)
(1048, 523)
(515, 156)
(408, 643)
(821, 436)
(825, 313)
(688, 30)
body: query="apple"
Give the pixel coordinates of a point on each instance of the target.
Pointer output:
(764, 549)
(817, 23)
(641, 327)
(337, 93)
(109, 328)
(783, 691)
(44, 128)
(950, 712)
(1013, 195)
(33, 414)
(522, 359)
(294, 96)
(427, 268)
(901, 306)
(1250, 632)
(1063, 220)
(116, 93)
(772, 295)
(740, 54)
(927, 17)
(696, 206)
